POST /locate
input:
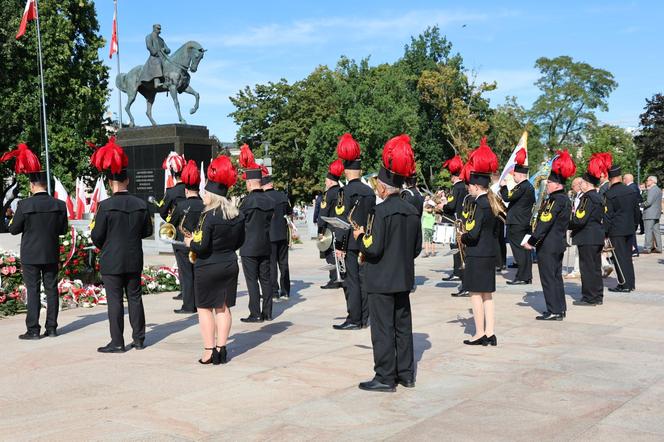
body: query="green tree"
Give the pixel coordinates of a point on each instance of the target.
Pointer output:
(650, 141)
(571, 92)
(76, 83)
(613, 139)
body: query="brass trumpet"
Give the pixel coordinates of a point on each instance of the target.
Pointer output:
(355, 226)
(167, 231)
(461, 247)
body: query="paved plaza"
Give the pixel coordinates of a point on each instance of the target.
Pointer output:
(598, 375)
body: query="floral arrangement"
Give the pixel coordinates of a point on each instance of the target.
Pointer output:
(79, 257)
(159, 279)
(12, 291)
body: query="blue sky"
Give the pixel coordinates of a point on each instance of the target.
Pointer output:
(258, 41)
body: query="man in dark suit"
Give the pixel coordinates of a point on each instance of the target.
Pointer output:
(278, 239)
(628, 180)
(121, 223)
(41, 219)
(412, 194)
(327, 205)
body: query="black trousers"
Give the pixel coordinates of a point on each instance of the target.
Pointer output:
(458, 268)
(175, 252)
(633, 244)
(623, 253)
(590, 265)
(279, 257)
(33, 274)
(329, 258)
(116, 287)
(186, 273)
(550, 265)
(523, 257)
(356, 297)
(257, 268)
(392, 336)
(501, 245)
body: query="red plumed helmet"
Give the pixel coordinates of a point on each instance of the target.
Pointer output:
(563, 165)
(607, 159)
(483, 159)
(336, 168)
(521, 157)
(398, 156)
(110, 157)
(596, 165)
(174, 162)
(26, 160)
(454, 165)
(247, 160)
(465, 172)
(221, 171)
(347, 148)
(191, 175)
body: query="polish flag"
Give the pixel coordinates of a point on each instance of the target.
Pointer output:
(169, 180)
(81, 206)
(114, 35)
(30, 13)
(201, 186)
(61, 194)
(99, 194)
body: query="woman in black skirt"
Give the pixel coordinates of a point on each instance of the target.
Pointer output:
(480, 254)
(219, 235)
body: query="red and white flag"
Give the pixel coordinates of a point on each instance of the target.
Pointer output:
(61, 194)
(114, 35)
(30, 13)
(201, 186)
(81, 206)
(99, 194)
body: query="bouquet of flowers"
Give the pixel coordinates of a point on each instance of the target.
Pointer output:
(78, 257)
(160, 279)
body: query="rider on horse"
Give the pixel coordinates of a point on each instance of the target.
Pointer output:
(153, 68)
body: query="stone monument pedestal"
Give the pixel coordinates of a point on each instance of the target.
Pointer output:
(147, 147)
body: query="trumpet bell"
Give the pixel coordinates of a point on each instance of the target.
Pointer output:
(167, 231)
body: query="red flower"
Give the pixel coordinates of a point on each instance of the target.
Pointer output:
(67, 272)
(97, 266)
(14, 295)
(11, 259)
(76, 262)
(62, 249)
(3, 298)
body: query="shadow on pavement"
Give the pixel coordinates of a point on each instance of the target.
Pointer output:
(295, 298)
(240, 343)
(82, 322)
(421, 344)
(159, 332)
(468, 324)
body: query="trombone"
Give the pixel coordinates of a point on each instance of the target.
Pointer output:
(611, 252)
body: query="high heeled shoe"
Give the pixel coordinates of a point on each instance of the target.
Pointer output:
(209, 361)
(221, 356)
(479, 341)
(492, 341)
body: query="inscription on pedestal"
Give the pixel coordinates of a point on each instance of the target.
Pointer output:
(144, 180)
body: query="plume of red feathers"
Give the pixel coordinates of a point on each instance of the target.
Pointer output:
(191, 176)
(247, 160)
(347, 148)
(597, 165)
(221, 171)
(26, 160)
(454, 165)
(398, 156)
(521, 157)
(607, 159)
(563, 165)
(110, 157)
(483, 159)
(174, 162)
(336, 167)
(465, 172)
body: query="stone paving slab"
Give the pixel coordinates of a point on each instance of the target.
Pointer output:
(595, 376)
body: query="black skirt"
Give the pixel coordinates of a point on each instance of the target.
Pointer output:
(480, 274)
(216, 284)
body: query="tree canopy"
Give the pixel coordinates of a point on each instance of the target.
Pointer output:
(650, 141)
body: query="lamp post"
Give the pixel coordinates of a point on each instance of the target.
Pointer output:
(638, 170)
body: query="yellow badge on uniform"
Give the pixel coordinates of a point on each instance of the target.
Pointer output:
(160, 203)
(323, 204)
(605, 209)
(168, 218)
(198, 236)
(464, 214)
(580, 213)
(340, 210)
(546, 217)
(367, 240)
(470, 225)
(450, 198)
(92, 224)
(509, 193)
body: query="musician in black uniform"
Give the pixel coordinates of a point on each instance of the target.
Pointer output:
(41, 219)
(278, 238)
(621, 220)
(452, 208)
(327, 205)
(412, 194)
(187, 212)
(258, 210)
(220, 232)
(479, 240)
(549, 237)
(392, 241)
(521, 200)
(121, 223)
(174, 163)
(588, 235)
(354, 201)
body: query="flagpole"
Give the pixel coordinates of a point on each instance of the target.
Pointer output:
(118, 62)
(43, 99)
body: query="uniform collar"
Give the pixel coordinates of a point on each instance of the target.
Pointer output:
(481, 194)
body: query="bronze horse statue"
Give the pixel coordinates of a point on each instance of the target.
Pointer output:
(176, 80)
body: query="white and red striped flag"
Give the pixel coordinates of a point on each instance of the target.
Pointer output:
(61, 194)
(99, 194)
(81, 206)
(30, 13)
(114, 35)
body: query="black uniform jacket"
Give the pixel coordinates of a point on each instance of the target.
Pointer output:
(258, 210)
(454, 205)
(187, 212)
(586, 220)
(414, 197)
(42, 219)
(481, 229)
(218, 238)
(622, 211)
(327, 207)
(391, 246)
(282, 208)
(521, 200)
(122, 221)
(362, 197)
(552, 222)
(172, 196)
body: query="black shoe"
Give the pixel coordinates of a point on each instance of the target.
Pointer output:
(374, 385)
(499, 269)
(266, 317)
(408, 383)
(30, 336)
(461, 294)
(513, 266)
(548, 316)
(452, 278)
(331, 285)
(110, 348)
(252, 319)
(138, 345)
(211, 358)
(347, 325)
(219, 355)
(583, 302)
(519, 282)
(178, 297)
(492, 340)
(479, 341)
(620, 289)
(184, 311)
(51, 333)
